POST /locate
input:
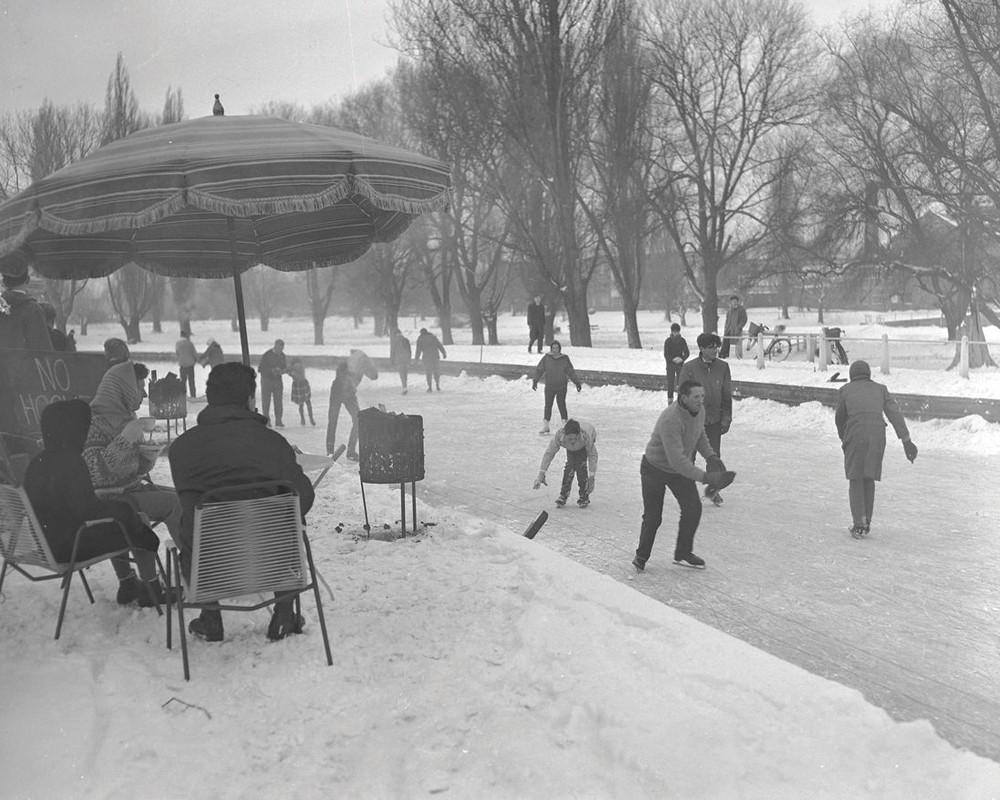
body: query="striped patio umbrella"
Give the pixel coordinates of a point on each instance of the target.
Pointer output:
(216, 196)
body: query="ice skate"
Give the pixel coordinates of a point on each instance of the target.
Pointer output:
(561, 501)
(545, 429)
(639, 564)
(690, 560)
(583, 502)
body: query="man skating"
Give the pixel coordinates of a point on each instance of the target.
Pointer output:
(668, 463)
(272, 366)
(580, 441)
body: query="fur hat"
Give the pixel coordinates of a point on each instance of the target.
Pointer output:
(860, 369)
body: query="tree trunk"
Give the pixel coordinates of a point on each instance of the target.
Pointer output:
(629, 311)
(265, 322)
(710, 304)
(133, 335)
(491, 329)
(319, 321)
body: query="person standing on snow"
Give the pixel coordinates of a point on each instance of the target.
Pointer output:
(861, 404)
(713, 374)
(400, 354)
(432, 351)
(668, 463)
(536, 322)
(556, 371)
(272, 366)
(675, 353)
(187, 357)
(580, 441)
(736, 320)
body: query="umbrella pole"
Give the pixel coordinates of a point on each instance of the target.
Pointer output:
(241, 312)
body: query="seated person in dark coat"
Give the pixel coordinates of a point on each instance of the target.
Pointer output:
(232, 445)
(58, 485)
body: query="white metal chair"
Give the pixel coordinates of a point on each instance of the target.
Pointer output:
(23, 544)
(248, 540)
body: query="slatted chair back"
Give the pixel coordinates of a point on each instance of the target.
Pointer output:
(21, 539)
(244, 547)
(248, 540)
(23, 546)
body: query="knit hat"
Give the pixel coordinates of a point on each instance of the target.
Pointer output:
(860, 369)
(571, 427)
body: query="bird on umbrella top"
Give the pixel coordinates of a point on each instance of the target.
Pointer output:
(217, 109)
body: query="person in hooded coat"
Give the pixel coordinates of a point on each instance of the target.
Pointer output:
(58, 485)
(862, 406)
(556, 371)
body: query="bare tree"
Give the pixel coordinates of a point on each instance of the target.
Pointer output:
(535, 64)
(732, 78)
(132, 296)
(617, 201)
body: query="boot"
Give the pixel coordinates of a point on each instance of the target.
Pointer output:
(129, 590)
(208, 626)
(284, 621)
(545, 428)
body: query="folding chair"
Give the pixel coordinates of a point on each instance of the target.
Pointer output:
(23, 544)
(245, 545)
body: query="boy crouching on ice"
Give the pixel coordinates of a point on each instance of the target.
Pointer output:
(580, 441)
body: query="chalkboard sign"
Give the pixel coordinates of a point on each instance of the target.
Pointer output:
(392, 447)
(31, 379)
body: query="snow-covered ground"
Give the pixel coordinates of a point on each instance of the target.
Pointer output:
(471, 662)
(918, 356)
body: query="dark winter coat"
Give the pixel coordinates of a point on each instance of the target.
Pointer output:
(22, 323)
(231, 445)
(861, 404)
(555, 370)
(61, 342)
(272, 366)
(536, 316)
(343, 390)
(430, 348)
(736, 320)
(58, 485)
(717, 380)
(675, 347)
(213, 355)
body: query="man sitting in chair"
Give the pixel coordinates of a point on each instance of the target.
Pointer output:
(231, 445)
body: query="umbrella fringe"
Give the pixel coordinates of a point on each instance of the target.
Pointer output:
(112, 222)
(394, 202)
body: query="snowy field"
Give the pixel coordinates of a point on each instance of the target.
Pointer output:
(470, 662)
(919, 356)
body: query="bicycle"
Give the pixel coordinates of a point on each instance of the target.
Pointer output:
(776, 350)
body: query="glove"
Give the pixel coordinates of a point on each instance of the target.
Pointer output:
(719, 480)
(714, 464)
(590, 484)
(579, 387)
(911, 450)
(540, 481)
(534, 386)
(725, 425)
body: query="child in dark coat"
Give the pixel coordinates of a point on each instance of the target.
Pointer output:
(58, 485)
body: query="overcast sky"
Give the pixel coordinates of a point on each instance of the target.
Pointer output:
(249, 51)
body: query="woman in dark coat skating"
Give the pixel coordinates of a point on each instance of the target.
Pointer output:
(861, 426)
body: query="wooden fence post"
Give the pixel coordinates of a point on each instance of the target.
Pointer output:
(885, 354)
(760, 350)
(963, 361)
(811, 348)
(824, 353)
